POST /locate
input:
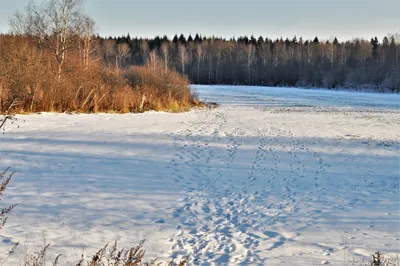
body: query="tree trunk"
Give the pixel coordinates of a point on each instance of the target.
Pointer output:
(397, 67)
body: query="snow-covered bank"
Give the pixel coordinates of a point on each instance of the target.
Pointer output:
(244, 183)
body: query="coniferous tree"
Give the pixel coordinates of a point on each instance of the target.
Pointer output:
(374, 42)
(197, 38)
(260, 40)
(175, 40)
(182, 39)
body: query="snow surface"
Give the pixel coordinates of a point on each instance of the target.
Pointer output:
(274, 176)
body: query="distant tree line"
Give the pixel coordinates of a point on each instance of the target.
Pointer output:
(357, 64)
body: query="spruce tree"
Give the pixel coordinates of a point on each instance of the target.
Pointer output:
(197, 38)
(375, 43)
(175, 40)
(182, 39)
(335, 41)
(260, 40)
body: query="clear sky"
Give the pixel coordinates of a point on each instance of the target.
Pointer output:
(345, 19)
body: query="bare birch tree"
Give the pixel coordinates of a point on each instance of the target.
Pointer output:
(183, 57)
(109, 51)
(54, 22)
(249, 62)
(397, 43)
(165, 54)
(199, 54)
(153, 58)
(123, 51)
(144, 49)
(87, 42)
(218, 56)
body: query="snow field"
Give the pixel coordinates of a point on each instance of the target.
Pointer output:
(240, 184)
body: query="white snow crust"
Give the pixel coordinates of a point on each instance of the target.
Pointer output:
(274, 176)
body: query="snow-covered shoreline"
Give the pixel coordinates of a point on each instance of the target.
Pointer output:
(297, 97)
(244, 183)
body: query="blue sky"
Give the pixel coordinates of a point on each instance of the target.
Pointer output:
(270, 18)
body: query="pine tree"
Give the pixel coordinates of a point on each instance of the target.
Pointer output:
(175, 40)
(156, 43)
(197, 38)
(375, 43)
(260, 40)
(165, 38)
(182, 39)
(253, 40)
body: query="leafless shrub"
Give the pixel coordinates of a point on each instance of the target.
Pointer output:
(160, 89)
(106, 256)
(84, 87)
(134, 256)
(379, 259)
(5, 178)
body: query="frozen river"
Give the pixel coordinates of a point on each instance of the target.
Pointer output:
(293, 97)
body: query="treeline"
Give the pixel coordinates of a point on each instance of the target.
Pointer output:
(357, 64)
(50, 62)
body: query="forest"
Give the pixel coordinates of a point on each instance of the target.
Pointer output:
(357, 64)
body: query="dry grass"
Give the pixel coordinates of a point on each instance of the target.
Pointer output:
(5, 178)
(28, 76)
(160, 89)
(133, 256)
(106, 256)
(380, 259)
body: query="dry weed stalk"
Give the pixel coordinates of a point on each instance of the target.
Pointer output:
(133, 256)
